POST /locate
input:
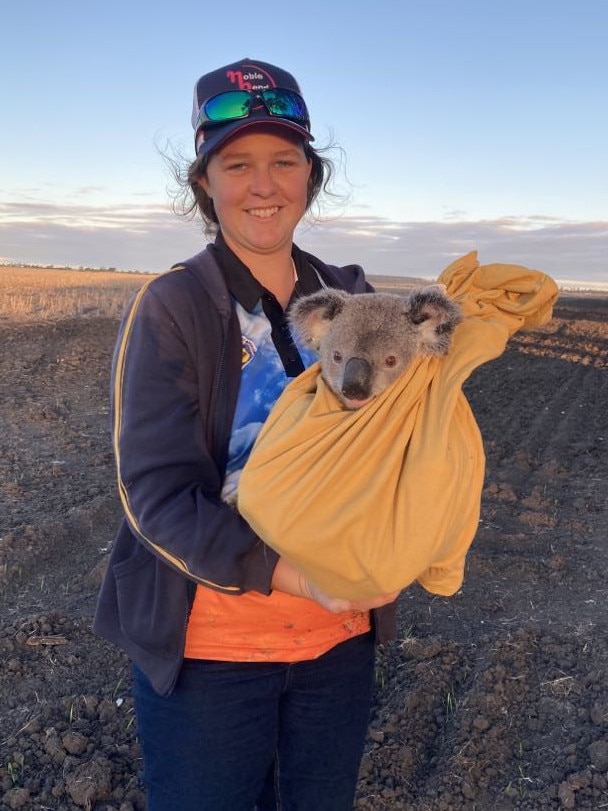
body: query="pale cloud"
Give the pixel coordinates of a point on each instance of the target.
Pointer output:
(565, 249)
(88, 191)
(152, 237)
(132, 237)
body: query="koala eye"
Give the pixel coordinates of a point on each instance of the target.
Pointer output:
(390, 361)
(337, 356)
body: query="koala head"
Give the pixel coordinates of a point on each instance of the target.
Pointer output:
(365, 341)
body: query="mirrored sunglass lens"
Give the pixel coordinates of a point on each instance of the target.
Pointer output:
(286, 104)
(227, 106)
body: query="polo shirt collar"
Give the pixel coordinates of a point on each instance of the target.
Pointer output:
(246, 288)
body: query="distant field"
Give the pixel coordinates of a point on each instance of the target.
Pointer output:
(29, 293)
(396, 282)
(54, 293)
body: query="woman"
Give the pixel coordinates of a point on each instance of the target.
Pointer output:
(252, 686)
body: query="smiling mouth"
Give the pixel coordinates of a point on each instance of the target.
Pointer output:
(264, 213)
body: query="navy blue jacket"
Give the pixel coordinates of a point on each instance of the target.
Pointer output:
(175, 382)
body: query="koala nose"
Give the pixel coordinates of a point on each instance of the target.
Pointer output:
(356, 383)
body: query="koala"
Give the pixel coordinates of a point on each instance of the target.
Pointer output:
(365, 341)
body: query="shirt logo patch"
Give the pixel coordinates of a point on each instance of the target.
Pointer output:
(248, 350)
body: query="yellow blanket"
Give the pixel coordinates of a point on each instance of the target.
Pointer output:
(366, 502)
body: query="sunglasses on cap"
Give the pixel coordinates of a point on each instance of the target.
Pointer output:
(235, 104)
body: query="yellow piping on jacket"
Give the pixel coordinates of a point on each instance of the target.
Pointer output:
(174, 560)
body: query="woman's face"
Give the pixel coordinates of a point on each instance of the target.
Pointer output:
(258, 182)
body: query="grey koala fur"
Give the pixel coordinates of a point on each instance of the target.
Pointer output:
(365, 341)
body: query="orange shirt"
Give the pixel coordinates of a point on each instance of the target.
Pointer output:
(252, 627)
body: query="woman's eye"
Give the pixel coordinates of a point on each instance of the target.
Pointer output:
(390, 361)
(337, 357)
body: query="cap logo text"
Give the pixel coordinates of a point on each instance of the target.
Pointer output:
(249, 81)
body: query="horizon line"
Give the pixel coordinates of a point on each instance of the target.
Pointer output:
(568, 285)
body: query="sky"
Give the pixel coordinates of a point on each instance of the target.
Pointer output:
(456, 125)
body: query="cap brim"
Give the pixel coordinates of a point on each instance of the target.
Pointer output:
(214, 138)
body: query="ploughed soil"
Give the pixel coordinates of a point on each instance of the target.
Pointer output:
(494, 699)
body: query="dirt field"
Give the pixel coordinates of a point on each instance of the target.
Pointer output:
(495, 699)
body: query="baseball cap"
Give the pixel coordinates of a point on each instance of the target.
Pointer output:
(266, 94)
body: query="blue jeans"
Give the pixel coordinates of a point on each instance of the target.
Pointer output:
(266, 736)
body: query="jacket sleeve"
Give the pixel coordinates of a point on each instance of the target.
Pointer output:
(168, 480)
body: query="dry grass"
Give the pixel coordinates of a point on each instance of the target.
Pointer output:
(54, 293)
(51, 294)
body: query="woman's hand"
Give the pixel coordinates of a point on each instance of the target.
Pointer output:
(290, 580)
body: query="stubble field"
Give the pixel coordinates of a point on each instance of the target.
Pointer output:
(493, 700)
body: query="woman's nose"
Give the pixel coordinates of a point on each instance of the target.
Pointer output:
(262, 182)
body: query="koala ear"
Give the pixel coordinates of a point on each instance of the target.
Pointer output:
(312, 315)
(435, 316)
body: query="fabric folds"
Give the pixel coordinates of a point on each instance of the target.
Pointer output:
(366, 502)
